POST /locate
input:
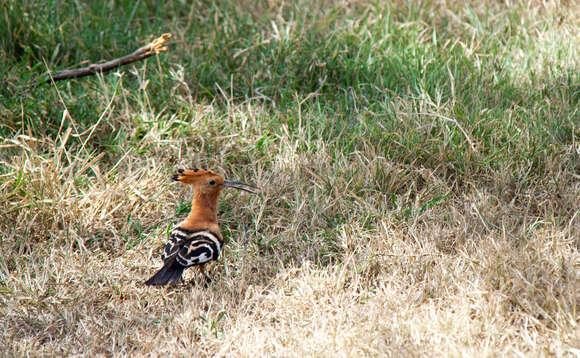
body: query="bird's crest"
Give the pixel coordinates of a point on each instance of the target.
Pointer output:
(209, 180)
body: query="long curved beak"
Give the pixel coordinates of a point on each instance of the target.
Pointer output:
(240, 185)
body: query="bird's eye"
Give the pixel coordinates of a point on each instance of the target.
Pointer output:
(211, 182)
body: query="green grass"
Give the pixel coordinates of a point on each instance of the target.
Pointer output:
(418, 165)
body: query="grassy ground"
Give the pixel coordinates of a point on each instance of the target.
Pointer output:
(419, 166)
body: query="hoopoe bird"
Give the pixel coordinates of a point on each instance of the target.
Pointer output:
(197, 240)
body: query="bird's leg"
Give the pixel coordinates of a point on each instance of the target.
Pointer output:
(204, 273)
(202, 269)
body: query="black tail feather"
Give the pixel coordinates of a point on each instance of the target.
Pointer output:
(171, 272)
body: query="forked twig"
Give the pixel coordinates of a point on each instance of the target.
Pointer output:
(153, 48)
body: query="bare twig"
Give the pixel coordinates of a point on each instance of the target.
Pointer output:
(153, 48)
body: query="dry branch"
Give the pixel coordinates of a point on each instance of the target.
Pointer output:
(153, 48)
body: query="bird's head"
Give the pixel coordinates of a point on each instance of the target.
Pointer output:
(209, 182)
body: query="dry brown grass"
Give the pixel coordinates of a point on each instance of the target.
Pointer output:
(470, 277)
(343, 252)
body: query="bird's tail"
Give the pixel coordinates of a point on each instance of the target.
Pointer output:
(170, 272)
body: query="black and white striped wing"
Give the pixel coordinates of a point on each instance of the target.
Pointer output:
(176, 239)
(192, 247)
(202, 247)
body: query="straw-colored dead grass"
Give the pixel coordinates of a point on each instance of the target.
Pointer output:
(456, 279)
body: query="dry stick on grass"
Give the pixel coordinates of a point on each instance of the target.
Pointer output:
(153, 48)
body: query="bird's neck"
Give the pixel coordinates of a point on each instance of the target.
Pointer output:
(203, 209)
